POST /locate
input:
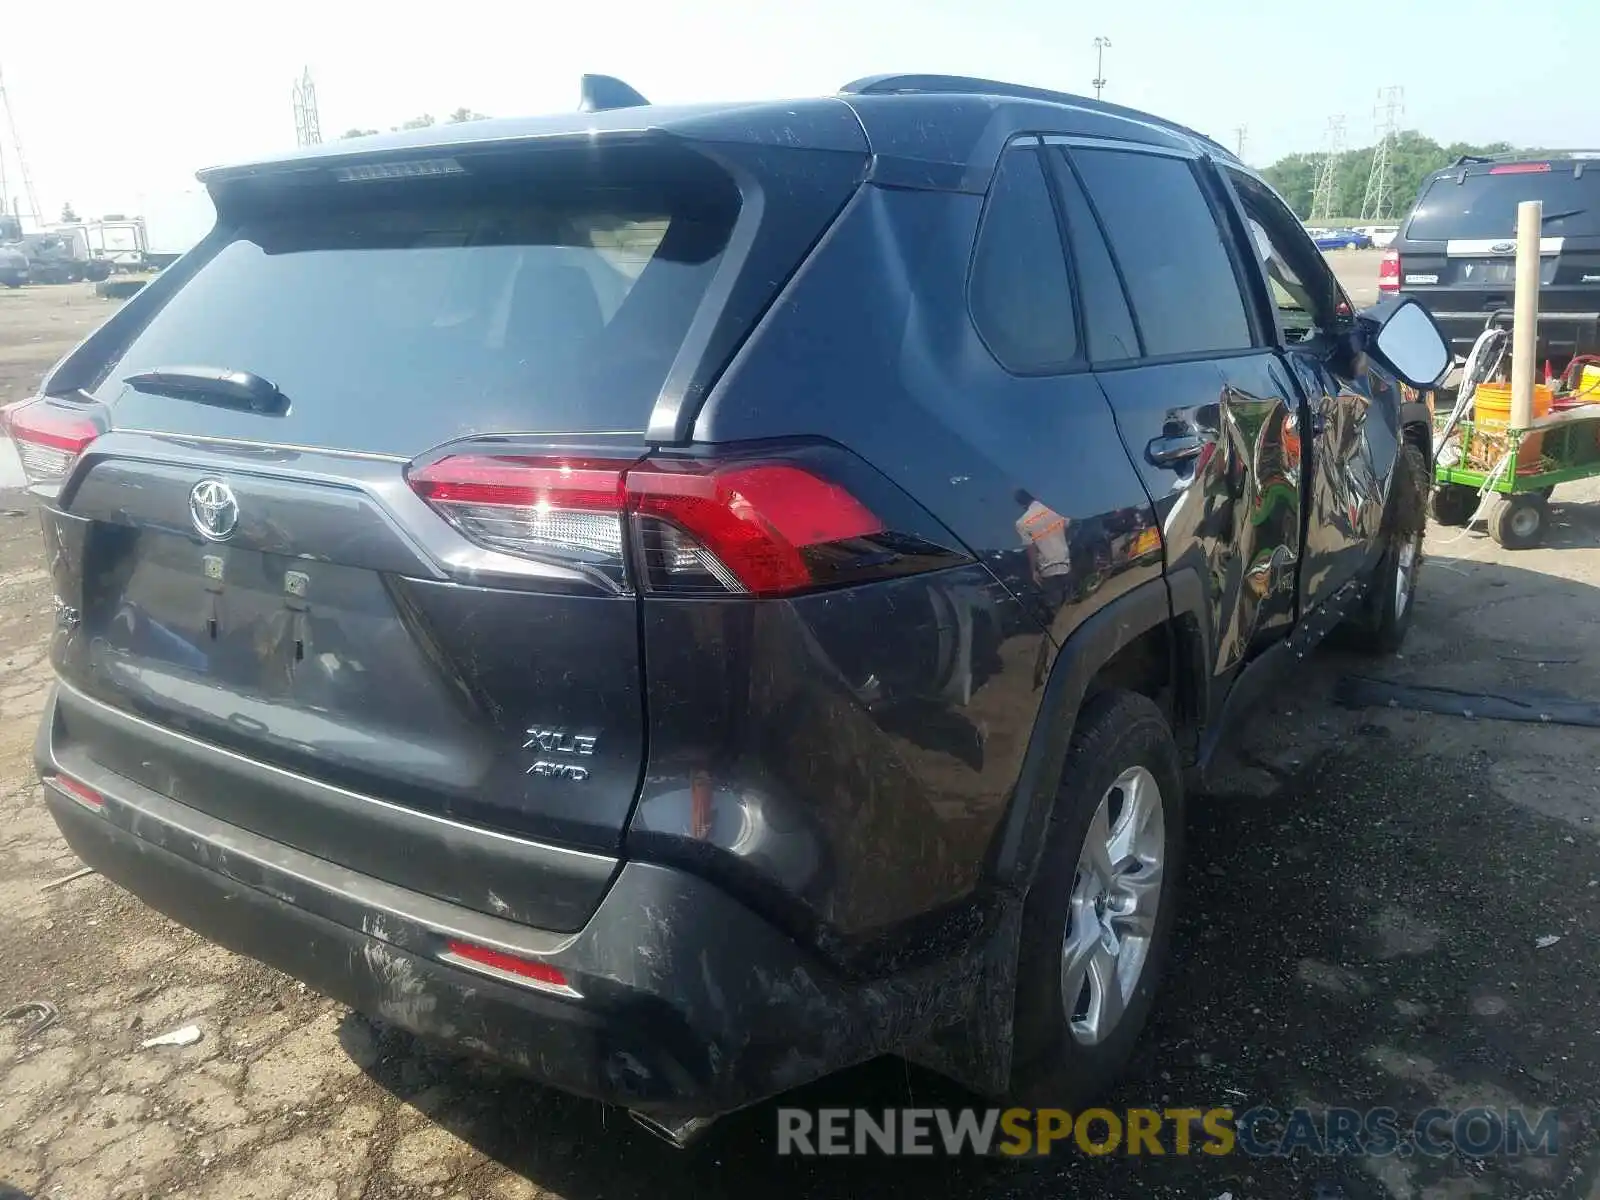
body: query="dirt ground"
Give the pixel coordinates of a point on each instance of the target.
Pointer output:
(1370, 898)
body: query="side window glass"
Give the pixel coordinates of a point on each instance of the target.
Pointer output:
(1303, 289)
(1020, 295)
(1289, 296)
(1171, 251)
(1108, 324)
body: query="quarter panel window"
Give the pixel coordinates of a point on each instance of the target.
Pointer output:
(1020, 294)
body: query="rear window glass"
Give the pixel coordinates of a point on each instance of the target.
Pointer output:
(1485, 206)
(466, 312)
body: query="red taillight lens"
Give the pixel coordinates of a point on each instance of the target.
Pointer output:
(499, 962)
(48, 438)
(1389, 272)
(1521, 169)
(757, 521)
(79, 791)
(763, 527)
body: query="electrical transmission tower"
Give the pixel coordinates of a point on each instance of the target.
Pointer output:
(28, 194)
(1322, 195)
(1240, 133)
(1378, 202)
(307, 132)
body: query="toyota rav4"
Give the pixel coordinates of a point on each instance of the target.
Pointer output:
(681, 600)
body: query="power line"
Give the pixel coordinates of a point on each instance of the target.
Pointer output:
(1378, 200)
(1322, 194)
(1101, 45)
(307, 129)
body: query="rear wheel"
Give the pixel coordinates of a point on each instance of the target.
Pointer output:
(1097, 927)
(1519, 522)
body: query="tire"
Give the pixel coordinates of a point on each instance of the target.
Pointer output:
(1453, 503)
(1519, 522)
(1391, 597)
(1122, 763)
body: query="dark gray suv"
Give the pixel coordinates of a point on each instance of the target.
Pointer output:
(682, 600)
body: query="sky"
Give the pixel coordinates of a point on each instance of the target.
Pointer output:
(116, 101)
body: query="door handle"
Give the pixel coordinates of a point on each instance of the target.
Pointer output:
(1176, 448)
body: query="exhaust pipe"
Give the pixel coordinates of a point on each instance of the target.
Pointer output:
(679, 1133)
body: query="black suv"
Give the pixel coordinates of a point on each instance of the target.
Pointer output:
(681, 600)
(1456, 251)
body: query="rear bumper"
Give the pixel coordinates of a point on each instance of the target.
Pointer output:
(1561, 335)
(687, 1004)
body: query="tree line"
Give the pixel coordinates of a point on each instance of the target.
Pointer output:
(1412, 158)
(422, 122)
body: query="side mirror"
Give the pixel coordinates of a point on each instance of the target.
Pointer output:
(1403, 336)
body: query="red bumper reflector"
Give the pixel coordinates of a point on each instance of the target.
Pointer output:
(81, 792)
(530, 970)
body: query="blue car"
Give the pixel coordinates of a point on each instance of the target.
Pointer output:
(1340, 239)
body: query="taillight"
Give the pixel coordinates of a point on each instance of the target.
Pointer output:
(763, 526)
(569, 510)
(49, 438)
(1389, 272)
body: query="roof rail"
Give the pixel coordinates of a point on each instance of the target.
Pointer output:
(1533, 154)
(1539, 152)
(955, 85)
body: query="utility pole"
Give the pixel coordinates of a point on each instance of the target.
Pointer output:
(1240, 132)
(1327, 174)
(22, 167)
(1378, 201)
(307, 129)
(1101, 45)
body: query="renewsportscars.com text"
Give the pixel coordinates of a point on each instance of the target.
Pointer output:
(1256, 1132)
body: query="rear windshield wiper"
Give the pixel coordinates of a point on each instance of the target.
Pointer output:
(1557, 216)
(213, 385)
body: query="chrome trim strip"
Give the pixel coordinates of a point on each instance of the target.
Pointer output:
(1463, 247)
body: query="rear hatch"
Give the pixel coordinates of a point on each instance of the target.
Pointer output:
(1458, 252)
(285, 603)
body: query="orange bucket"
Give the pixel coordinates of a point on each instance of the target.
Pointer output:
(1492, 412)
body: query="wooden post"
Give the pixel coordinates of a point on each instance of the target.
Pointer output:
(1525, 313)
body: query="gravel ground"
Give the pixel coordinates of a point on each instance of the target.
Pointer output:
(1367, 894)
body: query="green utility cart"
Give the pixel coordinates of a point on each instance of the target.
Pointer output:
(1564, 446)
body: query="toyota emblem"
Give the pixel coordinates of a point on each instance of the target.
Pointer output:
(213, 509)
(1503, 247)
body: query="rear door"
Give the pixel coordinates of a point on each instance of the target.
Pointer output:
(1459, 251)
(1205, 410)
(388, 562)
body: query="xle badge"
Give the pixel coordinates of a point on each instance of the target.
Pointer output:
(546, 740)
